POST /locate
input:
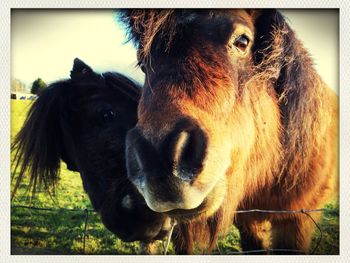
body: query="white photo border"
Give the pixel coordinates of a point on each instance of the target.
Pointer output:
(344, 99)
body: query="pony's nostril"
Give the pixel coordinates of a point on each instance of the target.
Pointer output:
(189, 146)
(180, 143)
(127, 202)
(193, 154)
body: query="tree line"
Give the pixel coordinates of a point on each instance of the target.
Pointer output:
(37, 86)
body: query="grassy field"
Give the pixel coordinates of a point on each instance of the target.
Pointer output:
(61, 230)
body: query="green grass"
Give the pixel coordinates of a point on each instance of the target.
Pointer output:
(61, 231)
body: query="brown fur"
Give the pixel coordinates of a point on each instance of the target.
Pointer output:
(273, 110)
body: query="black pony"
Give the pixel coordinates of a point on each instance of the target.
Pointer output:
(83, 121)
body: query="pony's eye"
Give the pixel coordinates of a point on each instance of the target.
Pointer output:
(242, 42)
(108, 115)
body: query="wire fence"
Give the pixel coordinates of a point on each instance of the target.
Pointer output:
(86, 216)
(306, 212)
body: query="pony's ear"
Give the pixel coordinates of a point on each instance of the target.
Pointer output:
(40, 145)
(269, 24)
(80, 70)
(278, 52)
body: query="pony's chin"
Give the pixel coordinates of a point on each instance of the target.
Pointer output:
(211, 203)
(188, 214)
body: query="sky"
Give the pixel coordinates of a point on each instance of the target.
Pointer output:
(44, 43)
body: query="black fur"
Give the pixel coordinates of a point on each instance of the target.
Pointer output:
(83, 121)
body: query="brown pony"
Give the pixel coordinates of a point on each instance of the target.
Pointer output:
(232, 116)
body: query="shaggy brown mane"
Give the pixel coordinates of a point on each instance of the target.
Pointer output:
(146, 25)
